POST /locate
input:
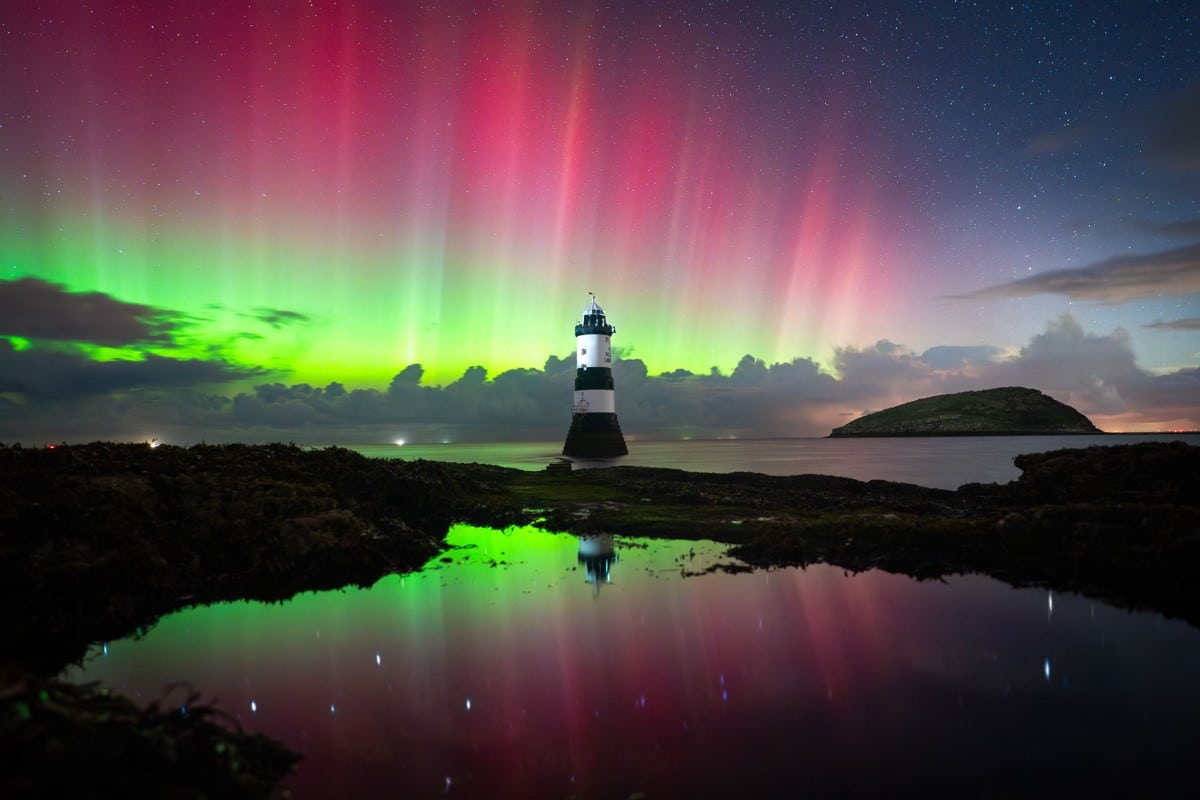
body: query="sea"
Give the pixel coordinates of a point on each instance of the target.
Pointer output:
(944, 462)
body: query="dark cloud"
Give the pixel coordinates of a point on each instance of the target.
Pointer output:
(1186, 229)
(409, 376)
(1175, 145)
(280, 318)
(755, 399)
(279, 406)
(32, 308)
(1173, 396)
(1116, 280)
(62, 375)
(1187, 324)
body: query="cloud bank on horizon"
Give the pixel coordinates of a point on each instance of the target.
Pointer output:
(52, 387)
(363, 220)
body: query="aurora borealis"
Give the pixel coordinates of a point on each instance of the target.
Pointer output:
(254, 218)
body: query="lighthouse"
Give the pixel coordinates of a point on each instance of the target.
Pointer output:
(595, 432)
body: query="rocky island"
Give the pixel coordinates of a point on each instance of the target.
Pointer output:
(1008, 411)
(98, 541)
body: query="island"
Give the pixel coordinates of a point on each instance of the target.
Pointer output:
(1007, 411)
(98, 541)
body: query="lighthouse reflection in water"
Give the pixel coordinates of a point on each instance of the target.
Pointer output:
(597, 555)
(495, 672)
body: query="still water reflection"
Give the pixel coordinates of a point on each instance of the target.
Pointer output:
(525, 664)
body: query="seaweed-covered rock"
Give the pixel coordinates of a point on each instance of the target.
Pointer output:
(1148, 472)
(62, 740)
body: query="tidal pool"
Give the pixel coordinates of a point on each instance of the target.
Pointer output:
(527, 664)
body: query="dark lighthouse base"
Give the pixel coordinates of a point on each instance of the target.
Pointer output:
(595, 436)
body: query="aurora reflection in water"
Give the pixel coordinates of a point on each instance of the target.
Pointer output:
(503, 673)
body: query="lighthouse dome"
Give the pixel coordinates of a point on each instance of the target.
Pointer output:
(593, 308)
(594, 321)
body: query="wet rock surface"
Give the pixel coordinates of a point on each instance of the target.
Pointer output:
(98, 541)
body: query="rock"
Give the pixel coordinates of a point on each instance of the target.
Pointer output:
(1010, 411)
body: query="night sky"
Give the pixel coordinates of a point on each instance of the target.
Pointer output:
(236, 220)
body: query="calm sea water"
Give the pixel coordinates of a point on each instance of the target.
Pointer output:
(940, 462)
(533, 665)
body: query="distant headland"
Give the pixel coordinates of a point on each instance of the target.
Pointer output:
(1007, 411)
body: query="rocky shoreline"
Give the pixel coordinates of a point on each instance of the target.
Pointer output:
(100, 540)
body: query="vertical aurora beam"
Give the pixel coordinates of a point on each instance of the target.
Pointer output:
(420, 185)
(568, 204)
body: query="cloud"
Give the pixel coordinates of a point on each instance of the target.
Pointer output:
(1187, 324)
(946, 357)
(755, 399)
(1186, 229)
(63, 375)
(1097, 374)
(32, 308)
(53, 375)
(1116, 280)
(55, 395)
(870, 369)
(1174, 396)
(280, 318)
(1081, 369)
(1175, 145)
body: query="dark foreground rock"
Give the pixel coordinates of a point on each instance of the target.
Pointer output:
(113, 748)
(98, 541)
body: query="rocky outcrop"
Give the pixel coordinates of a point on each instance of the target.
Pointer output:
(1011, 411)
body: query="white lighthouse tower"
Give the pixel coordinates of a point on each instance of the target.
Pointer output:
(595, 432)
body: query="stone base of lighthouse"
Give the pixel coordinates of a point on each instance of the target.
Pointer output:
(595, 435)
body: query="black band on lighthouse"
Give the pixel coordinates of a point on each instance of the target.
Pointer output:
(595, 378)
